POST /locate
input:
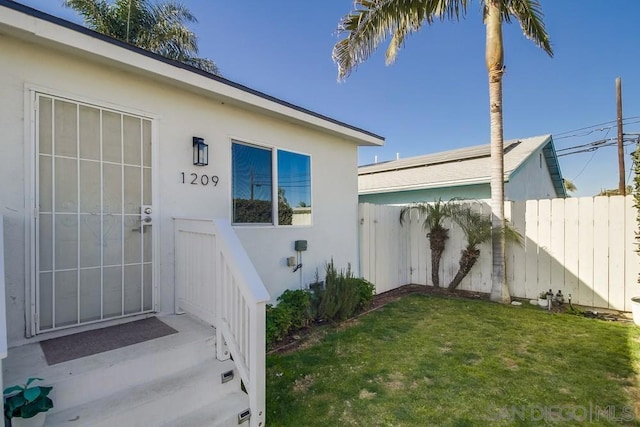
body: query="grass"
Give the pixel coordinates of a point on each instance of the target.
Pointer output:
(426, 360)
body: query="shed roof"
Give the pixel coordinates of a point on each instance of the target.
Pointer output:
(32, 25)
(462, 166)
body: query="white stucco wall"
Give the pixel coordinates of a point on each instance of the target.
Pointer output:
(531, 181)
(178, 116)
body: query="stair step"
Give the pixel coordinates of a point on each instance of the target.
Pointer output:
(120, 369)
(93, 377)
(156, 402)
(222, 413)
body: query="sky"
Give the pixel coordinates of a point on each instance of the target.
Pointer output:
(435, 96)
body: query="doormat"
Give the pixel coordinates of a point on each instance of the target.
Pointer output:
(63, 349)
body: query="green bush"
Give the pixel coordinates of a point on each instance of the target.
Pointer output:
(278, 323)
(366, 291)
(292, 312)
(344, 295)
(339, 297)
(299, 303)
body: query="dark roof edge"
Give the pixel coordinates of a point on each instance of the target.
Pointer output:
(84, 30)
(550, 154)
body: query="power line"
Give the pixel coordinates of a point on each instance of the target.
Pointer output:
(557, 135)
(594, 143)
(584, 167)
(592, 146)
(589, 150)
(632, 168)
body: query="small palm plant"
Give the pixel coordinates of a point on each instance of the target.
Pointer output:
(476, 227)
(434, 216)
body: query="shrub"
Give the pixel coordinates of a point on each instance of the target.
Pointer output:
(292, 312)
(339, 297)
(366, 291)
(316, 294)
(299, 304)
(344, 295)
(278, 320)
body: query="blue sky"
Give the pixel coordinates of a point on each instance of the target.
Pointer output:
(435, 97)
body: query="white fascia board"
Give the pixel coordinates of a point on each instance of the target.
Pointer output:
(40, 31)
(432, 185)
(429, 186)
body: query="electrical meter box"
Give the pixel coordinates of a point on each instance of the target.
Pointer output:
(300, 245)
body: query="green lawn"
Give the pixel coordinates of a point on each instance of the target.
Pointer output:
(427, 360)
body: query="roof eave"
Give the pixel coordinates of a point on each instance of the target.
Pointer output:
(553, 165)
(32, 25)
(417, 187)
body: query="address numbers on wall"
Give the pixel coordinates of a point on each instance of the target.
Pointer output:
(199, 179)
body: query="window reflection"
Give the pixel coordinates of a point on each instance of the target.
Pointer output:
(252, 186)
(294, 189)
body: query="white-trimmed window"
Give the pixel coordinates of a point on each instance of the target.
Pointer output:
(261, 175)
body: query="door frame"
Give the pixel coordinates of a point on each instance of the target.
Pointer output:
(32, 195)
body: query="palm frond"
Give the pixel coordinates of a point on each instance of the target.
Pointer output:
(95, 13)
(434, 213)
(157, 27)
(512, 235)
(475, 225)
(203, 64)
(569, 185)
(166, 32)
(529, 15)
(373, 21)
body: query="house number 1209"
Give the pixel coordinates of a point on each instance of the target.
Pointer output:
(195, 179)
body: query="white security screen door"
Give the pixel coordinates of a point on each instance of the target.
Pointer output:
(94, 247)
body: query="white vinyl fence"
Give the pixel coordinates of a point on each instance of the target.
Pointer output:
(583, 246)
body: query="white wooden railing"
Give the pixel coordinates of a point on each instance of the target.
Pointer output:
(216, 282)
(3, 316)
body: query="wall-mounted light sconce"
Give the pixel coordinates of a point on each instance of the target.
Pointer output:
(200, 152)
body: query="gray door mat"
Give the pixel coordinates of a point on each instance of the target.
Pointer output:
(63, 349)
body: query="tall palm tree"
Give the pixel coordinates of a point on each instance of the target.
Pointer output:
(157, 27)
(372, 21)
(434, 216)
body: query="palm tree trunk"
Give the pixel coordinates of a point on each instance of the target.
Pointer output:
(437, 238)
(495, 68)
(468, 259)
(435, 266)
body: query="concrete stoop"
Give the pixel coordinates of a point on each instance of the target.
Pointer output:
(174, 380)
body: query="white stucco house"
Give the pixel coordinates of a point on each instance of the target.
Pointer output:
(110, 217)
(531, 171)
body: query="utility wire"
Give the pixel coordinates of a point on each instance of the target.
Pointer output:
(631, 168)
(592, 146)
(588, 161)
(588, 150)
(593, 126)
(584, 167)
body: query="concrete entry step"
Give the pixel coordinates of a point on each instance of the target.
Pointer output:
(154, 403)
(224, 413)
(148, 384)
